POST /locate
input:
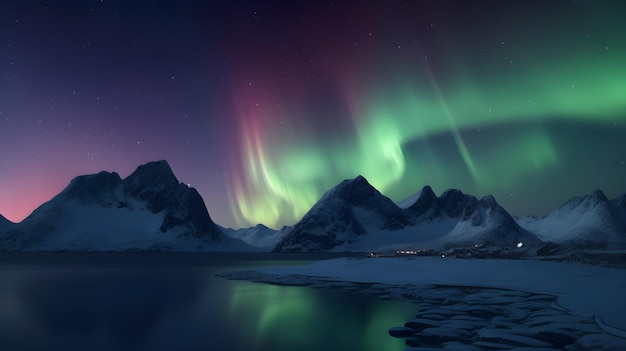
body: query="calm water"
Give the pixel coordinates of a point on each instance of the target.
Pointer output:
(164, 301)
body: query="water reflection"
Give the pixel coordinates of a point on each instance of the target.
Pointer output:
(152, 305)
(77, 307)
(301, 318)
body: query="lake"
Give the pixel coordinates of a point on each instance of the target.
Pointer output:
(173, 301)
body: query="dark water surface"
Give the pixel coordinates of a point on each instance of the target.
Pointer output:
(172, 301)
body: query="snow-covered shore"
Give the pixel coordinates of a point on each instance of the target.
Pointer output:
(592, 292)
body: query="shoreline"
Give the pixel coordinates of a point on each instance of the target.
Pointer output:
(464, 316)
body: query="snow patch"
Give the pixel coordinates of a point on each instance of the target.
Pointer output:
(408, 202)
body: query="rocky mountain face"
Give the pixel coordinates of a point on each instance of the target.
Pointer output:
(4, 223)
(619, 212)
(149, 210)
(354, 211)
(424, 204)
(591, 221)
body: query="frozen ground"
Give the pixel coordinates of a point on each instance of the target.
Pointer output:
(478, 304)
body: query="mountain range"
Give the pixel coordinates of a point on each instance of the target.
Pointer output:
(354, 216)
(151, 210)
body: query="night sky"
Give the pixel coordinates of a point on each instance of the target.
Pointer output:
(264, 105)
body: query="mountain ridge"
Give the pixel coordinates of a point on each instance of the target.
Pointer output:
(355, 216)
(148, 210)
(351, 216)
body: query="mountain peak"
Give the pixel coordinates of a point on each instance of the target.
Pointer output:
(360, 178)
(489, 202)
(356, 190)
(160, 169)
(599, 195)
(343, 215)
(93, 187)
(426, 189)
(425, 201)
(498, 214)
(597, 201)
(455, 203)
(154, 183)
(358, 181)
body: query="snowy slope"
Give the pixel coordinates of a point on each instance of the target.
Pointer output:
(149, 210)
(354, 216)
(421, 236)
(410, 201)
(584, 221)
(258, 236)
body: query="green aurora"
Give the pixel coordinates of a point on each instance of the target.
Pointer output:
(498, 131)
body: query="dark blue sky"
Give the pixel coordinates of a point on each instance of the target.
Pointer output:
(264, 105)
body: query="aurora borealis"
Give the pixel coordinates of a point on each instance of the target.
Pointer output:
(264, 105)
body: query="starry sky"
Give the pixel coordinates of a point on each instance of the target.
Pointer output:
(264, 105)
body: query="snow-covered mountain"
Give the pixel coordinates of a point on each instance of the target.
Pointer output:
(258, 236)
(149, 210)
(354, 216)
(342, 217)
(477, 222)
(584, 221)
